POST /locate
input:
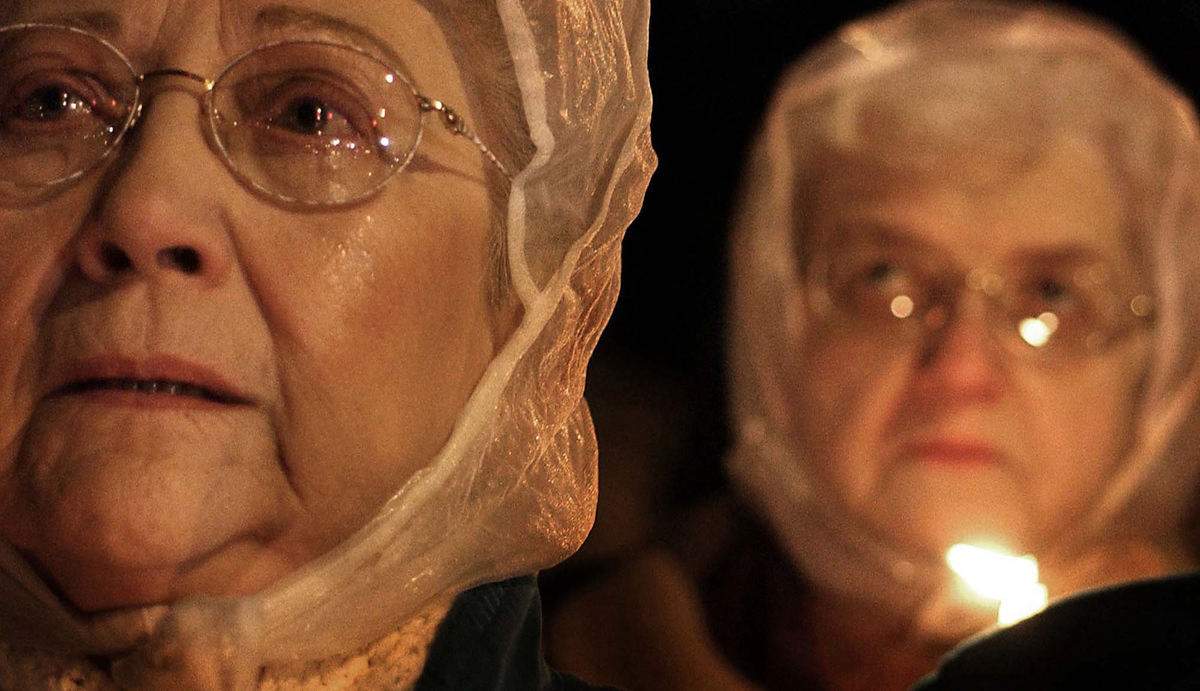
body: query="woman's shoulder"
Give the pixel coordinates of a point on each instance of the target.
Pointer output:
(1144, 634)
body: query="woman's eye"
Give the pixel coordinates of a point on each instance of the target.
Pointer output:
(41, 103)
(318, 111)
(869, 286)
(50, 103)
(880, 273)
(1075, 309)
(1054, 294)
(883, 275)
(306, 116)
(871, 273)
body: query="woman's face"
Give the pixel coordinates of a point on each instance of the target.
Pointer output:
(952, 436)
(344, 342)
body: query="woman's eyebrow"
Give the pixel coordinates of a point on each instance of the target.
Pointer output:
(99, 22)
(285, 17)
(1060, 253)
(869, 228)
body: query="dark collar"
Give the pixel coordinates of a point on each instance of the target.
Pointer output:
(490, 640)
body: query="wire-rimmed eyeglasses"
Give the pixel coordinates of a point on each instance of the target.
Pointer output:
(302, 122)
(1066, 305)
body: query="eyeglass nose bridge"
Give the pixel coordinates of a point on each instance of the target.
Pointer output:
(167, 72)
(175, 72)
(945, 308)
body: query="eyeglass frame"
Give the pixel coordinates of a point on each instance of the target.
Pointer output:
(450, 118)
(953, 286)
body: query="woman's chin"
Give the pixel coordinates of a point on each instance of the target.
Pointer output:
(239, 569)
(933, 532)
(98, 589)
(928, 512)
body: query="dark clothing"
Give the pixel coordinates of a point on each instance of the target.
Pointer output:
(1143, 635)
(756, 604)
(490, 640)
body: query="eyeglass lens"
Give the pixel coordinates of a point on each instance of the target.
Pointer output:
(1075, 304)
(304, 122)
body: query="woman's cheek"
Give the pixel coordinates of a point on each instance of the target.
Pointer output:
(32, 265)
(1081, 429)
(844, 401)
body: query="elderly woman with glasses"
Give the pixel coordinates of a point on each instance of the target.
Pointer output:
(965, 346)
(297, 300)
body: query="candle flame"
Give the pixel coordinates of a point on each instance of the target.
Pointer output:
(994, 575)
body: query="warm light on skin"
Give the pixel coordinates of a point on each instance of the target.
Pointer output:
(355, 334)
(1011, 581)
(938, 439)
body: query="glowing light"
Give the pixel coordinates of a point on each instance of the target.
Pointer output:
(389, 78)
(384, 142)
(1141, 305)
(985, 281)
(1036, 331)
(993, 285)
(902, 306)
(1008, 579)
(1022, 603)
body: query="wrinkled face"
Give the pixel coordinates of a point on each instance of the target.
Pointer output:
(324, 355)
(952, 435)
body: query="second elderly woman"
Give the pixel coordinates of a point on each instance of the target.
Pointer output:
(965, 294)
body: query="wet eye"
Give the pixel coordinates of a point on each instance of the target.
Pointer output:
(306, 116)
(308, 112)
(47, 102)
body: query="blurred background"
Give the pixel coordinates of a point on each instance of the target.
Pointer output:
(656, 384)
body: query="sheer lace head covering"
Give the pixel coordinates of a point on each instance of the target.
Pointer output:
(1016, 72)
(514, 488)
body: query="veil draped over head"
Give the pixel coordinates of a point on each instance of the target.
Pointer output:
(1054, 69)
(514, 488)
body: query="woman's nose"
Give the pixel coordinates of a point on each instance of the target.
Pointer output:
(158, 208)
(963, 360)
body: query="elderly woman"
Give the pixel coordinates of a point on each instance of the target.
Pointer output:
(297, 302)
(964, 329)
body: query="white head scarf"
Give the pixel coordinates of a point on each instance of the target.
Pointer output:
(1063, 70)
(514, 488)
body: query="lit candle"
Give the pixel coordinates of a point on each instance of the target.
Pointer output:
(993, 575)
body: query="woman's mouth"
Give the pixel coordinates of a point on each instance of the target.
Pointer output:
(144, 386)
(160, 381)
(953, 452)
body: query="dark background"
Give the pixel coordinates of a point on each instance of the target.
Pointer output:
(656, 384)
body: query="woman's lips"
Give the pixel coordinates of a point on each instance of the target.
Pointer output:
(157, 382)
(953, 452)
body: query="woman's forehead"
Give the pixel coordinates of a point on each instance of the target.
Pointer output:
(1067, 198)
(401, 32)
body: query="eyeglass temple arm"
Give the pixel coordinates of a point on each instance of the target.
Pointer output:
(456, 125)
